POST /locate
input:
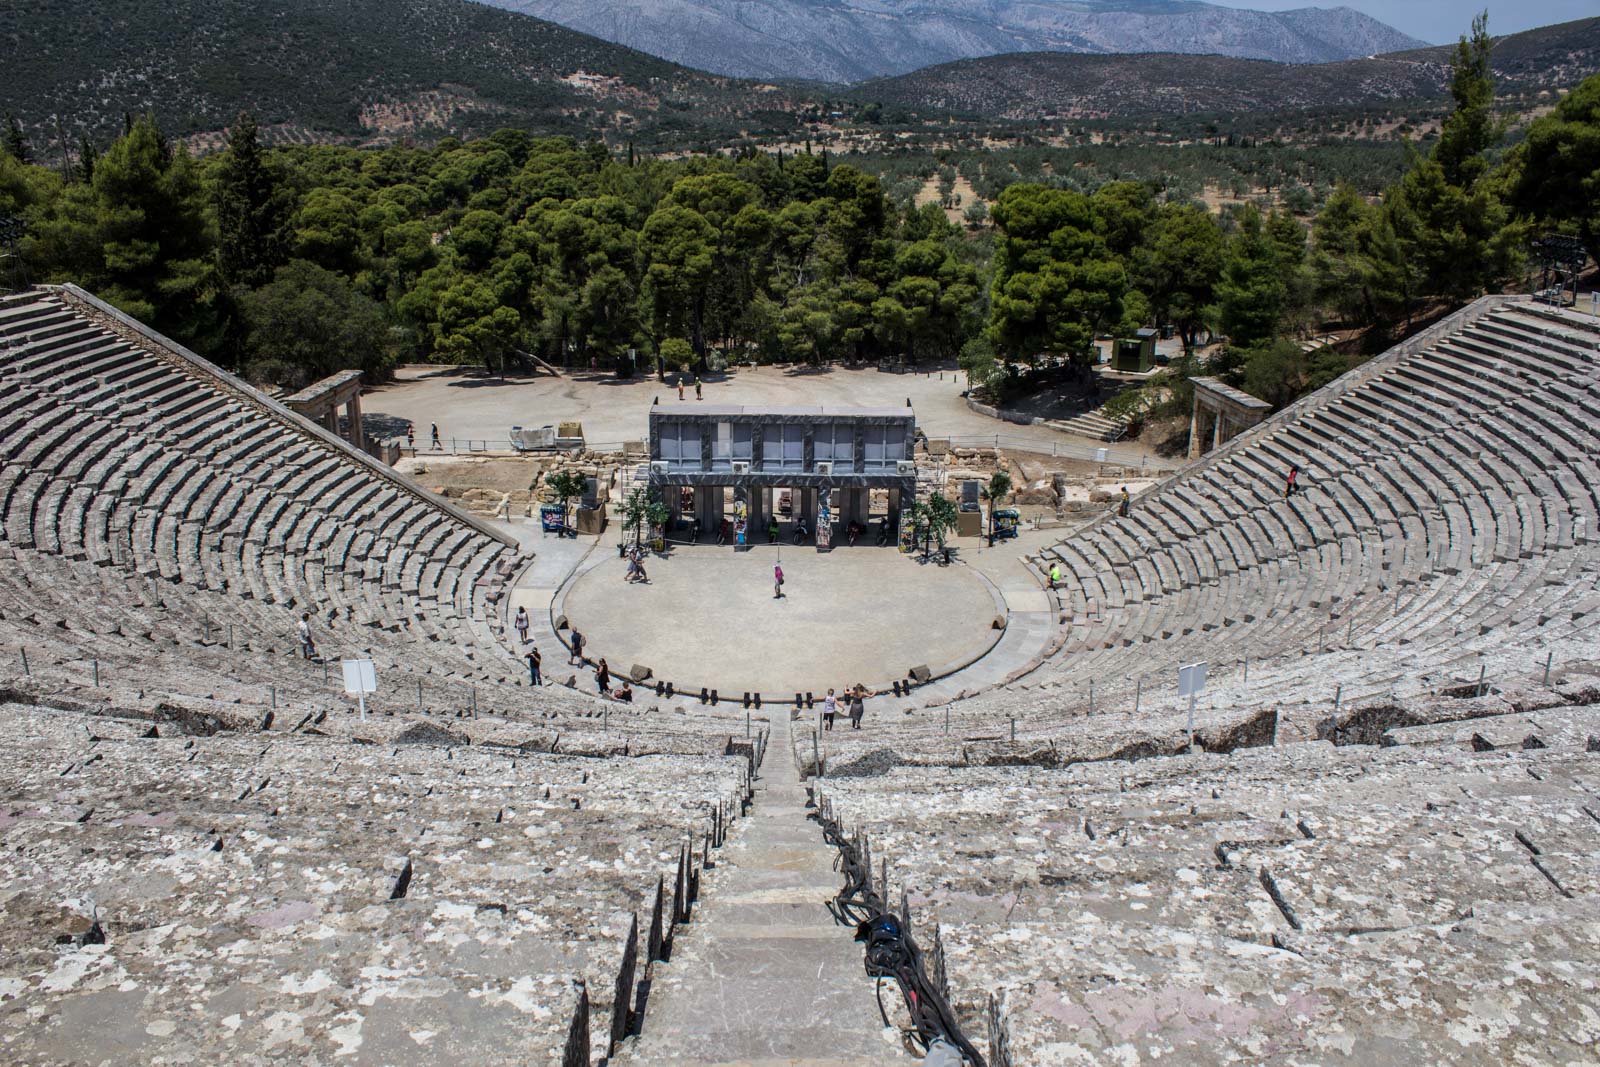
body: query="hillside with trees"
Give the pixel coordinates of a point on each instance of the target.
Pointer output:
(289, 263)
(355, 70)
(1044, 85)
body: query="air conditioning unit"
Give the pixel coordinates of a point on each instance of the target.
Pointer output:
(905, 466)
(823, 467)
(741, 466)
(658, 466)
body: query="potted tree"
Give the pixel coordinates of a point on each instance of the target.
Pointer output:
(936, 517)
(998, 489)
(566, 485)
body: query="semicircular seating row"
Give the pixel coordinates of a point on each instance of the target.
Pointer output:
(1448, 509)
(166, 520)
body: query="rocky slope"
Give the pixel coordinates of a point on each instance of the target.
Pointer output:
(1037, 85)
(850, 40)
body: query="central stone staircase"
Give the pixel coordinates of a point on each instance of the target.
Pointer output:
(764, 977)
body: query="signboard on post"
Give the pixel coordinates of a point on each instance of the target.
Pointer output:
(359, 680)
(1191, 679)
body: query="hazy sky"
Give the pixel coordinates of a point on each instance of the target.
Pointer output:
(1438, 21)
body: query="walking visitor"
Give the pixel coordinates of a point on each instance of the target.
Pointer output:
(602, 677)
(521, 624)
(830, 708)
(1122, 508)
(858, 705)
(577, 648)
(535, 678)
(1055, 575)
(777, 581)
(1292, 482)
(435, 427)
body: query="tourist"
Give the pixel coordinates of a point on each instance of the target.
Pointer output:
(1294, 477)
(436, 445)
(307, 648)
(680, 387)
(858, 705)
(602, 677)
(830, 708)
(577, 648)
(411, 438)
(697, 395)
(777, 581)
(535, 678)
(1122, 508)
(521, 624)
(624, 693)
(1055, 575)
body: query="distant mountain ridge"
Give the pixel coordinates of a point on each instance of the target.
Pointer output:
(353, 70)
(854, 40)
(1042, 85)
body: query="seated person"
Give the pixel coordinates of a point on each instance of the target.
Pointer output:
(624, 693)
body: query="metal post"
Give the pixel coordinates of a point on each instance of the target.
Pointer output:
(1547, 660)
(1138, 694)
(24, 661)
(274, 697)
(1247, 670)
(1322, 636)
(605, 719)
(816, 753)
(947, 720)
(419, 693)
(474, 701)
(362, 697)
(97, 674)
(1338, 696)
(1350, 635)
(1482, 668)
(747, 724)
(324, 672)
(230, 637)
(1192, 697)
(1091, 696)
(1013, 727)
(1275, 727)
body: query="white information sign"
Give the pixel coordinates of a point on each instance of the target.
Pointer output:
(360, 679)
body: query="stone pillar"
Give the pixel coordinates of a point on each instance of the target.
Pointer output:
(358, 436)
(1194, 429)
(1216, 429)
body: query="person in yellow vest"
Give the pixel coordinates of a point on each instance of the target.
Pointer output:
(1055, 575)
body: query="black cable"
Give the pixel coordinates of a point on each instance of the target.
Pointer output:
(891, 952)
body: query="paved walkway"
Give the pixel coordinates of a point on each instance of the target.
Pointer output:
(763, 977)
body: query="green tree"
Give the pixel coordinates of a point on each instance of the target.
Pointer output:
(935, 517)
(1456, 233)
(252, 209)
(997, 490)
(677, 354)
(1179, 264)
(1253, 291)
(566, 485)
(309, 322)
(1555, 172)
(136, 235)
(1056, 282)
(16, 142)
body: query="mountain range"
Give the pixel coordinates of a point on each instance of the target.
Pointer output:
(1041, 85)
(349, 70)
(853, 40)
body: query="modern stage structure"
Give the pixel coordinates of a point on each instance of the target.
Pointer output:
(706, 459)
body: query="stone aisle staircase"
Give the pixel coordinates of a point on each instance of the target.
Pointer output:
(764, 977)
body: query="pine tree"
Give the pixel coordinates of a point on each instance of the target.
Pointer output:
(16, 143)
(252, 210)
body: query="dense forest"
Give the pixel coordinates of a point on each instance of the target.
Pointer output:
(290, 263)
